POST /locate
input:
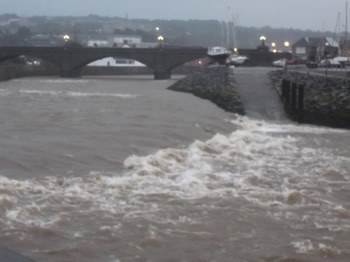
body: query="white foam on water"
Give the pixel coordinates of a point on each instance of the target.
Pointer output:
(5, 92)
(64, 81)
(308, 247)
(260, 125)
(249, 163)
(77, 94)
(260, 163)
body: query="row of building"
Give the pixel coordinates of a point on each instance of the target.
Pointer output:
(316, 48)
(42, 40)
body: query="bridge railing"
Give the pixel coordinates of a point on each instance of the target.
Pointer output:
(292, 95)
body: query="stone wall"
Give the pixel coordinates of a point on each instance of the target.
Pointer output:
(130, 70)
(262, 58)
(16, 71)
(326, 98)
(215, 84)
(10, 71)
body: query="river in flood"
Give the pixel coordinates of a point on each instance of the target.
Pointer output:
(118, 169)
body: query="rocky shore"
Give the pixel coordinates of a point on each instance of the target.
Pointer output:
(326, 98)
(215, 84)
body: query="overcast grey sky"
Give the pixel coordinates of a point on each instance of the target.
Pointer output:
(301, 14)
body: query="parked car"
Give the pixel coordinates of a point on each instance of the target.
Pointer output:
(296, 61)
(311, 64)
(330, 63)
(280, 62)
(343, 60)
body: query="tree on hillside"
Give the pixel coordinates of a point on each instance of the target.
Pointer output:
(23, 32)
(6, 17)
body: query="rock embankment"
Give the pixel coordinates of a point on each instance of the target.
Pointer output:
(215, 84)
(326, 98)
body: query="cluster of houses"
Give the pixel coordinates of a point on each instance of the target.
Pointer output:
(317, 48)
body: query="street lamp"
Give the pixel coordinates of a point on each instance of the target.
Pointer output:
(263, 47)
(66, 38)
(286, 45)
(160, 39)
(274, 50)
(325, 54)
(157, 31)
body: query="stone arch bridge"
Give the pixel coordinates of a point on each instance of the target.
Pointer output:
(70, 60)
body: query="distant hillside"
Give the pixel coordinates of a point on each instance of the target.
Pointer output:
(176, 32)
(213, 32)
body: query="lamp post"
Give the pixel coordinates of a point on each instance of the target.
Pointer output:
(325, 53)
(286, 45)
(160, 40)
(66, 39)
(157, 32)
(263, 47)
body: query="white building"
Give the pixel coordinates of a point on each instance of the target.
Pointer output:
(130, 40)
(125, 41)
(98, 43)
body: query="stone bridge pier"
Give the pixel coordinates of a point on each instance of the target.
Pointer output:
(161, 75)
(161, 69)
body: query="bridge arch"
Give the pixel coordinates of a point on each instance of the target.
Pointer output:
(89, 61)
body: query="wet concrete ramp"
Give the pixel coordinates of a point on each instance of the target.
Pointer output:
(260, 100)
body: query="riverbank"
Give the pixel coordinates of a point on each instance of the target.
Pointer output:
(215, 84)
(326, 99)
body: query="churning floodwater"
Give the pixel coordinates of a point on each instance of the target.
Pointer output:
(121, 169)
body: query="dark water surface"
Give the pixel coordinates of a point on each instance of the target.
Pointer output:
(121, 169)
